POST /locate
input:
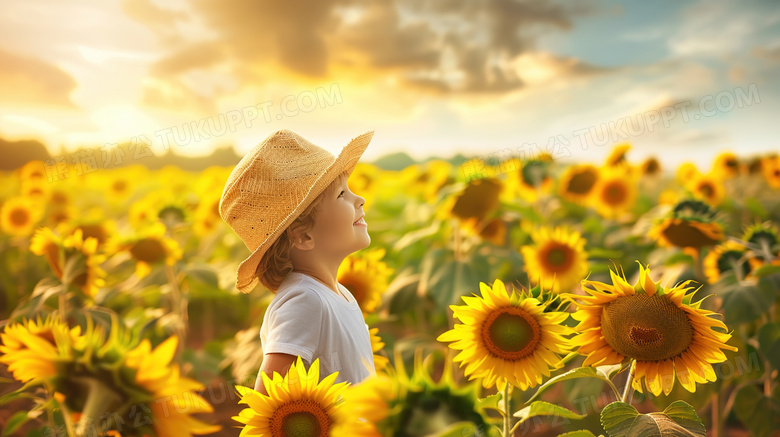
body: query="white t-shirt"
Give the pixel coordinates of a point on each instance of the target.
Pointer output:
(310, 320)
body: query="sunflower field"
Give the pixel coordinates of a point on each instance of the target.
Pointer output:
(521, 297)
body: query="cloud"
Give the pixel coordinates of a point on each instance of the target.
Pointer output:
(441, 46)
(25, 80)
(173, 95)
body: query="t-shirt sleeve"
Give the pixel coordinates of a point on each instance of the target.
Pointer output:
(295, 325)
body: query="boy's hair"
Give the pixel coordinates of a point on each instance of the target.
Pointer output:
(276, 264)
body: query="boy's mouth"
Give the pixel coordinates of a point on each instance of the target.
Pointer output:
(360, 221)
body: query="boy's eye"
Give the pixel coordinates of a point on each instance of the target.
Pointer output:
(341, 193)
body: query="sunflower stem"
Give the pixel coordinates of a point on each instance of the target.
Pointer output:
(767, 252)
(716, 425)
(179, 306)
(507, 410)
(698, 267)
(456, 242)
(737, 270)
(628, 390)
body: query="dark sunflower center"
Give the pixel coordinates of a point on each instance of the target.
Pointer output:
(95, 231)
(302, 424)
(582, 183)
(652, 167)
(768, 237)
(646, 328)
(300, 418)
(533, 174)
(478, 199)
(119, 186)
(510, 333)
(707, 189)
(731, 258)
(148, 250)
(614, 193)
(20, 216)
(59, 198)
(682, 234)
(557, 257)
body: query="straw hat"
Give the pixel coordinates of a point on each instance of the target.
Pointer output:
(272, 184)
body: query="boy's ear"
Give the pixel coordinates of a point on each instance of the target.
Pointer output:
(303, 241)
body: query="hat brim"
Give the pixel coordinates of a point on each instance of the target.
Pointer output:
(246, 279)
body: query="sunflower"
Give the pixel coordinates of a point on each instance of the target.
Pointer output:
(48, 244)
(413, 405)
(364, 180)
(31, 348)
(475, 202)
(615, 192)
(771, 169)
(650, 167)
(92, 277)
(660, 328)
(707, 188)
(380, 361)
(557, 259)
(531, 180)
(36, 190)
(87, 275)
(729, 256)
(148, 248)
(765, 237)
(174, 399)
(366, 404)
(668, 197)
(690, 225)
(686, 172)
(19, 215)
(62, 215)
(507, 338)
(206, 216)
(366, 277)
(494, 231)
(59, 197)
(617, 157)
(726, 166)
(577, 182)
(474, 168)
(34, 170)
(298, 404)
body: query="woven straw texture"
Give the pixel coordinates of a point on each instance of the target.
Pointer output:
(272, 184)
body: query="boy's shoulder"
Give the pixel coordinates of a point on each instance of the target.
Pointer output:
(297, 289)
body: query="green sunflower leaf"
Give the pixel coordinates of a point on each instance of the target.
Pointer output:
(761, 414)
(542, 408)
(17, 420)
(678, 419)
(460, 429)
(490, 401)
(769, 343)
(766, 270)
(580, 372)
(578, 433)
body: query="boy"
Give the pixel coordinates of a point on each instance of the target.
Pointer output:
(289, 202)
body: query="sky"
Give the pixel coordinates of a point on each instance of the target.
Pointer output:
(678, 80)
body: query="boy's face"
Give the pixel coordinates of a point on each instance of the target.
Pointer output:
(334, 230)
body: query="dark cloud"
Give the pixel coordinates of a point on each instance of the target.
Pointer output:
(29, 80)
(444, 46)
